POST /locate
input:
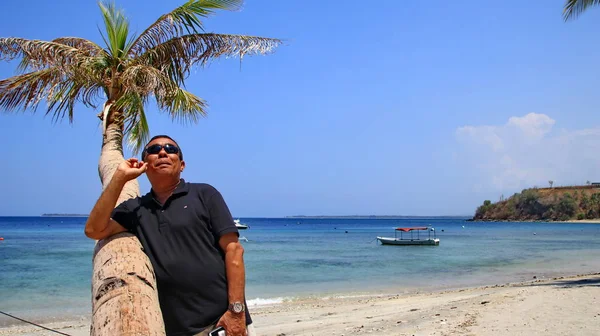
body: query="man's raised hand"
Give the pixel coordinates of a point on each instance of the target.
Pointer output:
(130, 169)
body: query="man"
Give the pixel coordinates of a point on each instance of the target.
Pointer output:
(188, 233)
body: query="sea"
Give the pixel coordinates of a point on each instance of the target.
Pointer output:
(46, 262)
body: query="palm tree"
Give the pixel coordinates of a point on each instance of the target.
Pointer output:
(574, 8)
(125, 74)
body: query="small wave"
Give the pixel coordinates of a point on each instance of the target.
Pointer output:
(357, 296)
(268, 301)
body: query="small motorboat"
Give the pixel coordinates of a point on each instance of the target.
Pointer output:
(412, 240)
(239, 225)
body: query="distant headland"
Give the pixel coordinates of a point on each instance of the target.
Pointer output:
(64, 215)
(545, 204)
(373, 217)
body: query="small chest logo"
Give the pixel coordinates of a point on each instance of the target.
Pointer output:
(185, 206)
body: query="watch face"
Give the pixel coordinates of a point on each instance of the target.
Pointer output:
(237, 307)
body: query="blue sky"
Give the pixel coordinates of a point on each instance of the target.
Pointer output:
(406, 108)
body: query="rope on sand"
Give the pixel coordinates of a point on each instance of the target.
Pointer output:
(37, 325)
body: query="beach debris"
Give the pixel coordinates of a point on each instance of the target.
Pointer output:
(452, 307)
(282, 334)
(437, 314)
(358, 329)
(369, 317)
(398, 322)
(485, 302)
(535, 277)
(414, 309)
(298, 320)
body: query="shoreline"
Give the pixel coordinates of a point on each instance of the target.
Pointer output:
(477, 310)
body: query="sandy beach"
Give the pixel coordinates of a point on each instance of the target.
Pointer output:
(557, 306)
(583, 221)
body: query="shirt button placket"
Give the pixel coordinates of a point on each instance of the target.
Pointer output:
(162, 221)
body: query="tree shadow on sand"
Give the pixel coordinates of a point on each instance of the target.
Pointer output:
(595, 282)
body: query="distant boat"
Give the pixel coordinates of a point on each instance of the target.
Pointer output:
(412, 240)
(239, 225)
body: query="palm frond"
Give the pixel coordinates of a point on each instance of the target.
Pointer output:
(183, 106)
(139, 134)
(81, 44)
(574, 8)
(38, 54)
(182, 20)
(117, 29)
(86, 49)
(135, 124)
(143, 80)
(176, 56)
(26, 91)
(62, 99)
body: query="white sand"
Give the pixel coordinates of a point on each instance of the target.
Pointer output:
(559, 306)
(583, 221)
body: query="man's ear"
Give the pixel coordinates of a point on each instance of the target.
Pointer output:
(182, 166)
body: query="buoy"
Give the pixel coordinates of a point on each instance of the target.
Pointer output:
(1, 238)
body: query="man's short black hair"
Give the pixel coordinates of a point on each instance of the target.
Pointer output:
(162, 136)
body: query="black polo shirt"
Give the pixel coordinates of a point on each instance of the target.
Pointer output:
(181, 239)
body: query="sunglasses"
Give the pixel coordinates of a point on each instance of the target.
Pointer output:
(155, 149)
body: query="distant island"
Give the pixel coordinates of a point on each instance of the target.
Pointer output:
(64, 215)
(544, 204)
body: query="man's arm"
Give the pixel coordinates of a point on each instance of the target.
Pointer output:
(235, 324)
(234, 266)
(99, 225)
(223, 227)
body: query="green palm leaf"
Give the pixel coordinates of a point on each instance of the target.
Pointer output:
(574, 8)
(135, 122)
(176, 56)
(183, 106)
(117, 30)
(182, 20)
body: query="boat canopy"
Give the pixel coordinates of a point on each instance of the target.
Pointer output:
(412, 229)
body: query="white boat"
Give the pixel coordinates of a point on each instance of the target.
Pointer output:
(239, 225)
(412, 240)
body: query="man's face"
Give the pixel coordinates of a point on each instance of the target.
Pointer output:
(162, 156)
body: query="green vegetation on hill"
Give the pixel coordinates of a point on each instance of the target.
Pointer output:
(549, 204)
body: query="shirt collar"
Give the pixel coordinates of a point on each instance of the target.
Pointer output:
(182, 188)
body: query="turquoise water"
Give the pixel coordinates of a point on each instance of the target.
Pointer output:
(45, 263)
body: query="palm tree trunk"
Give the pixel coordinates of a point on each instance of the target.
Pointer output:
(124, 296)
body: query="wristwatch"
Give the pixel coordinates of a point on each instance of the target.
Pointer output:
(237, 307)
